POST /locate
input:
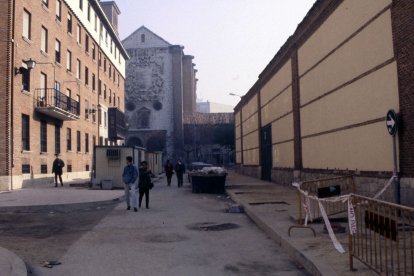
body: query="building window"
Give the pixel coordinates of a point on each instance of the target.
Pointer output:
(110, 70)
(93, 51)
(25, 132)
(110, 96)
(43, 169)
(43, 136)
(104, 119)
(25, 168)
(96, 22)
(78, 34)
(46, 3)
(118, 102)
(94, 140)
(104, 91)
(104, 64)
(57, 139)
(69, 61)
(57, 51)
(25, 80)
(81, 5)
(99, 59)
(99, 117)
(93, 82)
(111, 45)
(86, 110)
(69, 23)
(78, 141)
(89, 12)
(86, 142)
(78, 69)
(69, 168)
(86, 75)
(106, 141)
(93, 114)
(26, 24)
(87, 168)
(100, 140)
(142, 38)
(43, 43)
(58, 10)
(86, 43)
(114, 98)
(114, 74)
(115, 52)
(118, 79)
(69, 139)
(99, 87)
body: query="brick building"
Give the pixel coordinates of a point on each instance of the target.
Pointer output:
(160, 88)
(318, 108)
(62, 87)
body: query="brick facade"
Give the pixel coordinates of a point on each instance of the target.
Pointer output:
(32, 100)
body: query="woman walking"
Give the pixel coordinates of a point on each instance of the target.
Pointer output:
(169, 172)
(144, 183)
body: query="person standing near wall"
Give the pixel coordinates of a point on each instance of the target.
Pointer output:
(58, 164)
(169, 172)
(180, 171)
(144, 183)
(129, 176)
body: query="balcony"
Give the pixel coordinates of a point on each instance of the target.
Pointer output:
(116, 118)
(53, 103)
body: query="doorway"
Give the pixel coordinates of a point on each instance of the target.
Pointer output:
(266, 152)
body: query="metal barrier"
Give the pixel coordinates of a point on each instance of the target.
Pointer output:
(384, 236)
(321, 188)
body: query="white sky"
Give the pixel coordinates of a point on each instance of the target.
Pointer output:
(232, 40)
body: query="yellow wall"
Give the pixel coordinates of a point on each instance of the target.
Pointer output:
(251, 141)
(251, 157)
(277, 107)
(363, 52)
(250, 108)
(277, 83)
(283, 155)
(238, 157)
(237, 119)
(366, 99)
(367, 148)
(251, 124)
(238, 132)
(346, 20)
(282, 129)
(238, 145)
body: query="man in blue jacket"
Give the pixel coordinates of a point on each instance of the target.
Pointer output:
(129, 176)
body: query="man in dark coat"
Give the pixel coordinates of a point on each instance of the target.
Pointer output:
(58, 164)
(169, 172)
(144, 183)
(180, 171)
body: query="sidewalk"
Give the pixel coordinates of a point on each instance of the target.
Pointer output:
(271, 205)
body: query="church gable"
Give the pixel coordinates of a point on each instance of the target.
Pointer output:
(144, 38)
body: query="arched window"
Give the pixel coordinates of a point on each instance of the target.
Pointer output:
(142, 38)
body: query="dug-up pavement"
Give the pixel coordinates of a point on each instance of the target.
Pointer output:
(269, 205)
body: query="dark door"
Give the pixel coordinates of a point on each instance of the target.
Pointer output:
(266, 152)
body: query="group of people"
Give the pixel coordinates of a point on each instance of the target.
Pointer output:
(131, 174)
(129, 177)
(179, 170)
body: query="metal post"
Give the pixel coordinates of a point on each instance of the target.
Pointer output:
(397, 181)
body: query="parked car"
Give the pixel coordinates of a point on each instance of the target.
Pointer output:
(197, 166)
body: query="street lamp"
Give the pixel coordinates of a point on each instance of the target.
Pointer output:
(30, 65)
(232, 94)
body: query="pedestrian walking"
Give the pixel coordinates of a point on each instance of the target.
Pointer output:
(58, 164)
(129, 176)
(180, 171)
(169, 172)
(144, 183)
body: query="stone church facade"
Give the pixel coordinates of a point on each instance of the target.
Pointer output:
(160, 87)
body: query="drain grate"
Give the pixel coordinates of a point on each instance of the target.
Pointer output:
(211, 226)
(270, 202)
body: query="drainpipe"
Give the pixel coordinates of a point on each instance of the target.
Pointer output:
(11, 97)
